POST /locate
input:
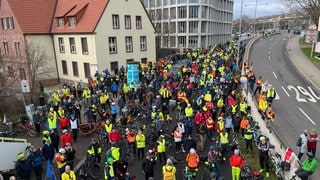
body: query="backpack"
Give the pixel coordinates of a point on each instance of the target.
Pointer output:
(168, 173)
(37, 161)
(299, 142)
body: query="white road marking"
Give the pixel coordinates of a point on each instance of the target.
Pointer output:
(285, 91)
(275, 75)
(307, 116)
(269, 58)
(277, 96)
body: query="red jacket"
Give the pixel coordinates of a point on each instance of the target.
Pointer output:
(236, 161)
(66, 138)
(198, 118)
(312, 144)
(114, 136)
(64, 123)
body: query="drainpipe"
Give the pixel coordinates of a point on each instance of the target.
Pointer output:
(51, 34)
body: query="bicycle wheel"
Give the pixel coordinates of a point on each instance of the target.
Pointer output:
(246, 172)
(95, 170)
(31, 131)
(205, 175)
(19, 130)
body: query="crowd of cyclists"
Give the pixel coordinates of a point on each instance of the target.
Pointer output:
(199, 107)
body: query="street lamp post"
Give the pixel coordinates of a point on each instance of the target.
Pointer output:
(255, 11)
(239, 39)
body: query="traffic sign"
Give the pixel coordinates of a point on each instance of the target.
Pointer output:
(25, 86)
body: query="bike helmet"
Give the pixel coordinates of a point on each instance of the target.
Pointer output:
(110, 160)
(192, 151)
(62, 150)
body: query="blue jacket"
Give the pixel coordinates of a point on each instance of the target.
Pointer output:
(114, 109)
(114, 87)
(47, 152)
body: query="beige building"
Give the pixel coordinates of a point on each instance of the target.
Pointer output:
(92, 36)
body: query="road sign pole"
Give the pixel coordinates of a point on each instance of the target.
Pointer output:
(311, 54)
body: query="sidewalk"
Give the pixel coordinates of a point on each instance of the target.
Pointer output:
(302, 63)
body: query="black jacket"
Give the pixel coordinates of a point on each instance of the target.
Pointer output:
(148, 166)
(23, 169)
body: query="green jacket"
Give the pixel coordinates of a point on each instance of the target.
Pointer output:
(310, 166)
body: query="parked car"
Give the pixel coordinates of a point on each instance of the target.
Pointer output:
(297, 32)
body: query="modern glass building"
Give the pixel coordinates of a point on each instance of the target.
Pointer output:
(191, 23)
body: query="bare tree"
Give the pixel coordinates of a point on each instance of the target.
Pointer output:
(6, 79)
(308, 8)
(39, 64)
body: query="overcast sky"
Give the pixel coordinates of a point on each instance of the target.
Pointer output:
(272, 8)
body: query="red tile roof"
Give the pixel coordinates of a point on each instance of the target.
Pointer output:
(33, 16)
(93, 10)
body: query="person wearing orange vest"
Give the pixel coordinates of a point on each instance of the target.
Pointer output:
(236, 163)
(259, 86)
(270, 113)
(243, 125)
(210, 124)
(220, 125)
(193, 160)
(131, 138)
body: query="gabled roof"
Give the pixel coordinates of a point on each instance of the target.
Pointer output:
(33, 16)
(92, 11)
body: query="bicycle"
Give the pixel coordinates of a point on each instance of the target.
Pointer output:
(276, 161)
(89, 128)
(188, 173)
(129, 153)
(25, 126)
(92, 166)
(102, 138)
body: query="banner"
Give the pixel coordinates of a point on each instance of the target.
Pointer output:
(49, 172)
(133, 73)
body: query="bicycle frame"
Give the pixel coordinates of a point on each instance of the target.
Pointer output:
(276, 161)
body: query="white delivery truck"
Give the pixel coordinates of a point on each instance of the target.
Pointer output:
(9, 149)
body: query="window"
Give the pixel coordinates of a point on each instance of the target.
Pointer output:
(165, 27)
(193, 41)
(182, 41)
(10, 71)
(127, 22)
(84, 45)
(173, 2)
(152, 15)
(165, 14)
(193, 11)
(158, 27)
(144, 60)
(193, 26)
(193, 1)
(72, 21)
(159, 2)
(22, 73)
(87, 72)
(113, 65)
(129, 60)
(75, 69)
(181, 27)
(203, 26)
(6, 48)
(60, 22)
(182, 1)
(17, 46)
(172, 41)
(172, 13)
(165, 41)
(143, 43)
(112, 45)
(153, 3)
(129, 44)
(182, 12)
(115, 21)
(204, 11)
(138, 22)
(64, 67)
(158, 14)
(61, 45)
(72, 45)
(7, 23)
(4, 23)
(172, 28)
(165, 2)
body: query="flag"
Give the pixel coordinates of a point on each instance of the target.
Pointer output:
(49, 172)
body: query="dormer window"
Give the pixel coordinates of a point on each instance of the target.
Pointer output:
(60, 22)
(72, 21)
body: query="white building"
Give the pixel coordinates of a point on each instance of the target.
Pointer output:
(94, 35)
(191, 23)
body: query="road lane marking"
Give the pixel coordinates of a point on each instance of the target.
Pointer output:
(285, 91)
(307, 116)
(269, 58)
(277, 96)
(275, 75)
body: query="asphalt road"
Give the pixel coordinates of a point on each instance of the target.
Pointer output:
(297, 104)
